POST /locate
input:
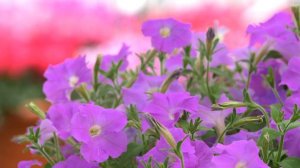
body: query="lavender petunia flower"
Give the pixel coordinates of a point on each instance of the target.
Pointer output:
(262, 92)
(167, 34)
(61, 115)
(100, 131)
(167, 108)
(108, 60)
(162, 149)
(238, 154)
(144, 86)
(64, 77)
(289, 104)
(277, 31)
(291, 76)
(29, 163)
(174, 62)
(46, 130)
(75, 161)
(291, 142)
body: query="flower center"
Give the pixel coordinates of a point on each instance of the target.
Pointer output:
(171, 116)
(73, 80)
(241, 164)
(165, 32)
(95, 130)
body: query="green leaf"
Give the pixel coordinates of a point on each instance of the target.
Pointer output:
(290, 163)
(270, 133)
(276, 113)
(272, 54)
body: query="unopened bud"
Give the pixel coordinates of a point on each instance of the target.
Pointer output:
(162, 130)
(36, 110)
(174, 76)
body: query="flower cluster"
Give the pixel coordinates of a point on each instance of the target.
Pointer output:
(191, 103)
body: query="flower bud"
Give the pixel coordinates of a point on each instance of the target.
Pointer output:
(36, 110)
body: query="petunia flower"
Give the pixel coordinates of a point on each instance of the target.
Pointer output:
(291, 142)
(262, 92)
(140, 92)
(74, 161)
(167, 34)
(62, 79)
(291, 76)
(29, 163)
(61, 115)
(47, 130)
(195, 153)
(108, 60)
(167, 108)
(100, 131)
(277, 31)
(238, 154)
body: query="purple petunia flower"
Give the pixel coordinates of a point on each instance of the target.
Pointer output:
(46, 130)
(238, 154)
(100, 131)
(167, 108)
(64, 77)
(278, 31)
(29, 163)
(262, 92)
(108, 60)
(75, 161)
(291, 142)
(61, 115)
(289, 104)
(291, 76)
(167, 34)
(196, 153)
(144, 86)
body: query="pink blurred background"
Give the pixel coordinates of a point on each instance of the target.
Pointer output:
(36, 33)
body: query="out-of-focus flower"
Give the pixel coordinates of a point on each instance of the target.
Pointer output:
(167, 34)
(61, 115)
(238, 154)
(29, 163)
(46, 130)
(140, 93)
(107, 60)
(291, 76)
(262, 92)
(101, 134)
(278, 32)
(74, 161)
(63, 78)
(167, 108)
(289, 104)
(291, 142)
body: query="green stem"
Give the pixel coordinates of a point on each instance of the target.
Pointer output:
(207, 84)
(277, 95)
(264, 112)
(59, 155)
(280, 147)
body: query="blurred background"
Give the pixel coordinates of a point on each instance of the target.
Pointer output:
(36, 33)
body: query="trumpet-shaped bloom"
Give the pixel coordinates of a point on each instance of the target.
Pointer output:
(61, 115)
(100, 131)
(167, 34)
(29, 163)
(238, 154)
(167, 108)
(291, 76)
(64, 77)
(75, 161)
(140, 92)
(107, 60)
